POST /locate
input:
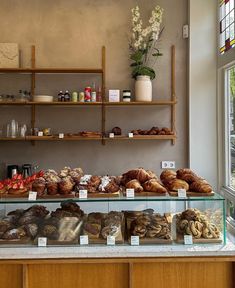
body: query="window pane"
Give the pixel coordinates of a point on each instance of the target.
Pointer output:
(231, 94)
(227, 25)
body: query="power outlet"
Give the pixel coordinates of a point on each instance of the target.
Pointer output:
(168, 164)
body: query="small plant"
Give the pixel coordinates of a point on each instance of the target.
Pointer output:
(143, 43)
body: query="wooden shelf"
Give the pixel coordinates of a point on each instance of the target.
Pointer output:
(143, 137)
(52, 70)
(55, 103)
(12, 139)
(56, 138)
(152, 103)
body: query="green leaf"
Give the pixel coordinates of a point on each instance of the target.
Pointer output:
(137, 56)
(143, 70)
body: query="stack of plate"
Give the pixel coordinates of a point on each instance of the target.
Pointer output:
(43, 98)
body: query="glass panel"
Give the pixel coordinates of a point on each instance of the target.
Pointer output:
(231, 95)
(222, 11)
(231, 32)
(227, 34)
(227, 21)
(231, 17)
(222, 25)
(231, 5)
(227, 8)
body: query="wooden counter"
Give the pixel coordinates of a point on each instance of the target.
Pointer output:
(180, 272)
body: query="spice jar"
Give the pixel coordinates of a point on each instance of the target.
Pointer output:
(126, 95)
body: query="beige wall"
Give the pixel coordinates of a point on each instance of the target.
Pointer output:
(70, 34)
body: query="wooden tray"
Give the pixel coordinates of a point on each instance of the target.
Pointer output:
(104, 195)
(151, 241)
(103, 241)
(192, 194)
(180, 240)
(147, 194)
(25, 240)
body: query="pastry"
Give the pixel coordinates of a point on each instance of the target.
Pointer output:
(134, 184)
(66, 185)
(167, 176)
(52, 188)
(95, 217)
(14, 234)
(201, 186)
(154, 186)
(111, 230)
(108, 185)
(176, 184)
(4, 226)
(50, 231)
(92, 230)
(138, 230)
(39, 186)
(139, 174)
(117, 131)
(31, 230)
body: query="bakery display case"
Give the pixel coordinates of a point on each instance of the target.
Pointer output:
(164, 220)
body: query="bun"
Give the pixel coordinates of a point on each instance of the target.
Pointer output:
(135, 184)
(154, 186)
(176, 184)
(117, 131)
(187, 175)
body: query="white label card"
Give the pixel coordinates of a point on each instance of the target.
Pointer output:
(82, 194)
(182, 193)
(130, 135)
(188, 239)
(42, 242)
(135, 240)
(111, 240)
(111, 135)
(40, 133)
(61, 135)
(84, 240)
(32, 196)
(130, 193)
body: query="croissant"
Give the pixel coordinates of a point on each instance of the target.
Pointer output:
(201, 186)
(153, 186)
(140, 174)
(167, 175)
(183, 171)
(135, 184)
(176, 184)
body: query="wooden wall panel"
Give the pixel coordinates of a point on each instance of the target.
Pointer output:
(78, 275)
(183, 275)
(11, 276)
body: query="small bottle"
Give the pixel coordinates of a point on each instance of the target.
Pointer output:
(60, 96)
(99, 95)
(67, 97)
(93, 93)
(75, 96)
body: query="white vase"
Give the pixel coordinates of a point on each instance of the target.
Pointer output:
(143, 89)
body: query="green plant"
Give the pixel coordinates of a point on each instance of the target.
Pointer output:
(143, 43)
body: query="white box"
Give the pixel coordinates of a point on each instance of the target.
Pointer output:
(9, 55)
(114, 95)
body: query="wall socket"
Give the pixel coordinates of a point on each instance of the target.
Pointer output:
(168, 164)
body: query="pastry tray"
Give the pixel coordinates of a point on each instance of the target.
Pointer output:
(180, 240)
(25, 240)
(147, 240)
(192, 194)
(103, 195)
(147, 194)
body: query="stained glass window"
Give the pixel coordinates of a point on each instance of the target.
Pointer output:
(227, 25)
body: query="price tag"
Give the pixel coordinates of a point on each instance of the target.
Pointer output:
(130, 135)
(40, 133)
(130, 193)
(182, 193)
(84, 240)
(42, 242)
(32, 196)
(82, 194)
(135, 240)
(61, 135)
(188, 240)
(111, 135)
(111, 240)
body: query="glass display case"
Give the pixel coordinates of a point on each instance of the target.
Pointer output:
(146, 220)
